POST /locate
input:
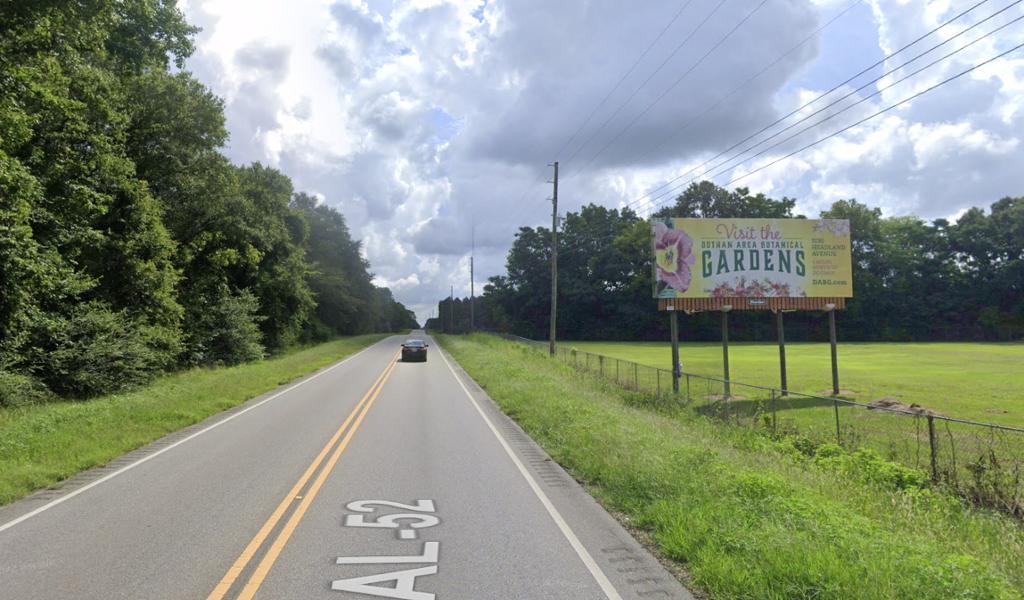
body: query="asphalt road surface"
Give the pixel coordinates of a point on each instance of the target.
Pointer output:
(372, 478)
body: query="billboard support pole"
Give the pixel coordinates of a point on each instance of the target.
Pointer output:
(784, 281)
(673, 319)
(472, 291)
(831, 308)
(725, 347)
(782, 350)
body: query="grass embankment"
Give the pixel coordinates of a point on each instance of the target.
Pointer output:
(981, 382)
(748, 516)
(43, 444)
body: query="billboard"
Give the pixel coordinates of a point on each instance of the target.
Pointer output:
(760, 258)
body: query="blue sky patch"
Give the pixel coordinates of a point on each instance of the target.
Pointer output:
(445, 126)
(847, 46)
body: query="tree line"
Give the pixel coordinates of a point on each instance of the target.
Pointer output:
(129, 244)
(913, 280)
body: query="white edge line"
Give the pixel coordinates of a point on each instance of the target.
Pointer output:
(588, 560)
(110, 476)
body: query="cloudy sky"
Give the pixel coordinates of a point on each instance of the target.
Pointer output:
(421, 119)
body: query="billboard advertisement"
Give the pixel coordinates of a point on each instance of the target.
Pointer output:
(745, 258)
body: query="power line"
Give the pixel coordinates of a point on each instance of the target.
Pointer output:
(865, 119)
(736, 89)
(812, 101)
(646, 81)
(746, 82)
(521, 206)
(674, 85)
(866, 98)
(586, 121)
(664, 62)
(623, 78)
(880, 112)
(843, 110)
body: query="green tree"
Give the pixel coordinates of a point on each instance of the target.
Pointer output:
(707, 200)
(277, 235)
(96, 230)
(174, 138)
(128, 242)
(913, 280)
(990, 246)
(338, 273)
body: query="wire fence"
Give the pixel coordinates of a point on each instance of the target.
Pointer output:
(982, 462)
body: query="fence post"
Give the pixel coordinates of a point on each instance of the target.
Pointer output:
(934, 448)
(688, 399)
(835, 406)
(636, 378)
(774, 424)
(616, 371)
(600, 363)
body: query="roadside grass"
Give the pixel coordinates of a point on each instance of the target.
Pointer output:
(43, 444)
(748, 516)
(975, 381)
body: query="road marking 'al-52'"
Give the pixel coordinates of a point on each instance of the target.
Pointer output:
(404, 580)
(321, 467)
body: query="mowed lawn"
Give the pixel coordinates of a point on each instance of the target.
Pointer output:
(975, 381)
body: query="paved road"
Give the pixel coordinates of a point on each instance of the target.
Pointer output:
(370, 479)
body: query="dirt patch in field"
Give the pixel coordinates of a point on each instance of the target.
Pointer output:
(842, 394)
(721, 398)
(895, 405)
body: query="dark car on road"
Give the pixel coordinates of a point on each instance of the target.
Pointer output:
(414, 350)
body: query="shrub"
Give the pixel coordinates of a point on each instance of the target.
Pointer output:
(17, 389)
(96, 350)
(223, 328)
(316, 331)
(868, 466)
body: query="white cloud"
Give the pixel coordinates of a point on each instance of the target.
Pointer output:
(419, 117)
(935, 144)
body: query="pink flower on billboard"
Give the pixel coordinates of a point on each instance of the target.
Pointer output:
(673, 253)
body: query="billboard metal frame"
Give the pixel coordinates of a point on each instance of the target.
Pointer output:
(775, 304)
(694, 305)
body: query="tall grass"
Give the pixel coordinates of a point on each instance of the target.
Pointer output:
(750, 517)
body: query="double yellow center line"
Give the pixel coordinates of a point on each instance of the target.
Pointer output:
(355, 419)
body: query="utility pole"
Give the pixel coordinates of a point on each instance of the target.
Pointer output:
(472, 296)
(554, 260)
(451, 309)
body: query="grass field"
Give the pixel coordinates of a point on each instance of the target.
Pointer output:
(748, 516)
(43, 444)
(980, 382)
